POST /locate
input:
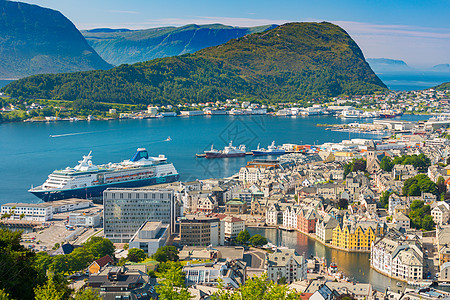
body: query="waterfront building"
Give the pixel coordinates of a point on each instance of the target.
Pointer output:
(357, 236)
(150, 237)
(125, 210)
(39, 212)
(65, 205)
(287, 264)
(274, 215)
(232, 226)
(306, 220)
(290, 217)
(201, 231)
(324, 228)
(85, 219)
(398, 256)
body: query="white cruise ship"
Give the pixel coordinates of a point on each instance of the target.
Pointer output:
(87, 180)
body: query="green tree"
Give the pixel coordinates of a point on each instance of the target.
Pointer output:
(126, 246)
(49, 291)
(414, 190)
(166, 253)
(441, 186)
(136, 255)
(384, 198)
(18, 274)
(427, 222)
(4, 295)
(258, 240)
(172, 287)
(87, 294)
(99, 247)
(386, 164)
(243, 237)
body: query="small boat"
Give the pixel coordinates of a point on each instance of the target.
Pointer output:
(333, 269)
(168, 139)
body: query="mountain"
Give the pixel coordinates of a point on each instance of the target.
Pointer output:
(443, 87)
(386, 65)
(123, 46)
(441, 68)
(36, 40)
(292, 62)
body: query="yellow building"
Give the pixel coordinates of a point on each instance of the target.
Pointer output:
(356, 237)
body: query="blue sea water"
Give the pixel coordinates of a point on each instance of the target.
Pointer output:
(4, 83)
(31, 151)
(412, 81)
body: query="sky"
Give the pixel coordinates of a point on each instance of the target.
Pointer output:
(415, 31)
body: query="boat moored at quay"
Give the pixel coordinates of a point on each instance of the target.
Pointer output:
(228, 151)
(87, 180)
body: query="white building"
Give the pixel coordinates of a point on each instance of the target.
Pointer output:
(150, 237)
(251, 175)
(84, 219)
(290, 217)
(401, 220)
(40, 212)
(395, 200)
(232, 226)
(287, 264)
(231, 272)
(440, 213)
(396, 256)
(324, 228)
(66, 205)
(273, 214)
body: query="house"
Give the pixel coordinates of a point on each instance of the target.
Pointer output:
(274, 215)
(306, 220)
(233, 226)
(440, 213)
(287, 264)
(358, 236)
(324, 228)
(401, 220)
(370, 205)
(100, 263)
(290, 217)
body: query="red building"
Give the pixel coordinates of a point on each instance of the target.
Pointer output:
(306, 220)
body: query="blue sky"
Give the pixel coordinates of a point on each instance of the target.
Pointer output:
(415, 31)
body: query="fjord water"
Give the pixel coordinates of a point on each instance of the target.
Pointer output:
(356, 266)
(31, 151)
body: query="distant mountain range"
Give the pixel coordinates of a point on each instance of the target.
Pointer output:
(386, 65)
(124, 46)
(36, 40)
(291, 62)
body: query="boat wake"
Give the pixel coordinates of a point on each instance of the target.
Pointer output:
(69, 134)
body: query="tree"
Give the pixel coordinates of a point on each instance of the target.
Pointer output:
(87, 294)
(258, 240)
(386, 164)
(243, 237)
(18, 275)
(126, 246)
(172, 287)
(166, 253)
(384, 198)
(257, 288)
(4, 295)
(99, 247)
(136, 255)
(427, 222)
(49, 291)
(441, 186)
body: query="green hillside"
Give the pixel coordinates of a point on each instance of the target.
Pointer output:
(122, 46)
(36, 40)
(443, 87)
(292, 62)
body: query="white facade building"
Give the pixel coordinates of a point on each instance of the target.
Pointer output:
(150, 237)
(232, 226)
(251, 175)
(440, 214)
(290, 217)
(84, 220)
(40, 212)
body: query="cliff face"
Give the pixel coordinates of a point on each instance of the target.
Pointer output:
(123, 46)
(35, 40)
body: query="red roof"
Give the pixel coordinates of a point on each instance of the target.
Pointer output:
(103, 261)
(305, 296)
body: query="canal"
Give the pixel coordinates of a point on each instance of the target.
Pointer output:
(356, 266)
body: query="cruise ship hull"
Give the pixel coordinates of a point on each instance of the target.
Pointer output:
(97, 190)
